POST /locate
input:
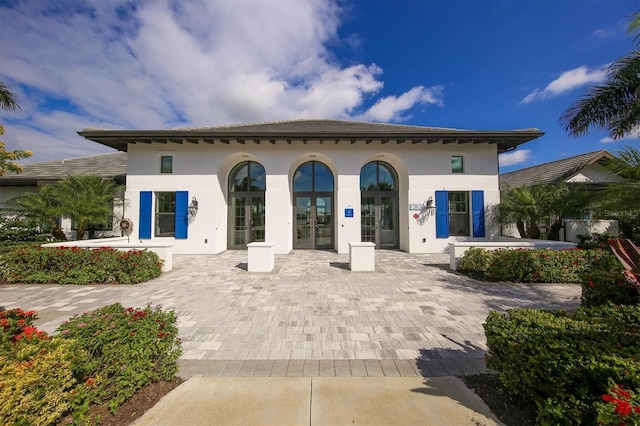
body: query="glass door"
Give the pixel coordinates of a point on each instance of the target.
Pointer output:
(238, 222)
(247, 221)
(379, 221)
(368, 220)
(256, 226)
(387, 223)
(314, 222)
(304, 223)
(323, 222)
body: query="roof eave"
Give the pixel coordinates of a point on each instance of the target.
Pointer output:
(119, 139)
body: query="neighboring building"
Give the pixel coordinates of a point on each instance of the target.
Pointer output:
(112, 166)
(311, 184)
(584, 168)
(590, 168)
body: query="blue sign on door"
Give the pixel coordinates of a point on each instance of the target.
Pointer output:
(348, 212)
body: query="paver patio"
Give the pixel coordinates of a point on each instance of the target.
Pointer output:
(311, 316)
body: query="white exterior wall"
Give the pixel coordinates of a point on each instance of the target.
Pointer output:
(594, 173)
(203, 170)
(8, 192)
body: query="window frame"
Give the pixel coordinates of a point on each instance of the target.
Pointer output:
(166, 168)
(455, 215)
(164, 214)
(454, 169)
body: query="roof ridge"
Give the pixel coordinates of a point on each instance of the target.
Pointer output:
(335, 120)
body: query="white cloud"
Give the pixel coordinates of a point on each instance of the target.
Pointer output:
(514, 157)
(567, 81)
(392, 108)
(633, 135)
(155, 64)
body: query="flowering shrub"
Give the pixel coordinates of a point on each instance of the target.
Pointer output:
(37, 374)
(13, 324)
(605, 283)
(619, 406)
(128, 349)
(531, 266)
(98, 357)
(563, 362)
(74, 265)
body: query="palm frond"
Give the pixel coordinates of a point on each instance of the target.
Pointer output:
(7, 99)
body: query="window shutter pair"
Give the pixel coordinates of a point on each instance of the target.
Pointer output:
(442, 213)
(146, 214)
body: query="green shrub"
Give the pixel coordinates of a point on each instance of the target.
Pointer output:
(128, 349)
(476, 261)
(564, 362)
(20, 231)
(530, 266)
(605, 283)
(73, 265)
(594, 240)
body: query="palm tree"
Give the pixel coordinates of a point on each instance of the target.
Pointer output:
(88, 201)
(42, 208)
(519, 205)
(528, 206)
(620, 200)
(7, 158)
(613, 105)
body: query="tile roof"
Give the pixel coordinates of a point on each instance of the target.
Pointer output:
(111, 165)
(552, 172)
(296, 130)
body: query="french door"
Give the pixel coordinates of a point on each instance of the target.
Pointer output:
(313, 221)
(246, 220)
(379, 220)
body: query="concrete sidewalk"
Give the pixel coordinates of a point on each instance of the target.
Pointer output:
(320, 401)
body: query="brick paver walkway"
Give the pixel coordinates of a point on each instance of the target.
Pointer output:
(311, 316)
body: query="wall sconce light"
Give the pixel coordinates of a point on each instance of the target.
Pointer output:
(193, 208)
(428, 205)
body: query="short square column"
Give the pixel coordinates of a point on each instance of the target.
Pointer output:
(261, 257)
(362, 256)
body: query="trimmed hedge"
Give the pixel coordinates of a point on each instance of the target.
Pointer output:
(565, 363)
(530, 266)
(74, 265)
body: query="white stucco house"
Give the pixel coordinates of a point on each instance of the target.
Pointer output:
(311, 184)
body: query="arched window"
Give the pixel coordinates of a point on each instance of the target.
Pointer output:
(378, 176)
(247, 177)
(313, 176)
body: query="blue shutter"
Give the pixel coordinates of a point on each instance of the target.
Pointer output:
(182, 214)
(477, 206)
(442, 214)
(144, 230)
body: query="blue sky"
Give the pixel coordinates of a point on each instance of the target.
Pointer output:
(155, 64)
